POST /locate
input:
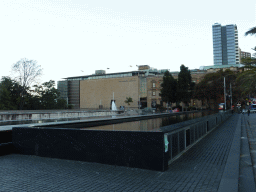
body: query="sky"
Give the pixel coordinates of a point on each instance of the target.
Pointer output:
(76, 37)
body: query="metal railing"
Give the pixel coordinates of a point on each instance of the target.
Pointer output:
(182, 137)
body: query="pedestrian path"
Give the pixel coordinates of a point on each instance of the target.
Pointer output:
(251, 132)
(202, 168)
(248, 159)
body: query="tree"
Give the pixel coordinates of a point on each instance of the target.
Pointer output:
(247, 82)
(169, 88)
(26, 72)
(185, 85)
(247, 79)
(9, 94)
(212, 87)
(47, 96)
(254, 54)
(128, 100)
(44, 96)
(249, 62)
(251, 31)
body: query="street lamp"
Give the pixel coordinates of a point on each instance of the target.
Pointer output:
(138, 90)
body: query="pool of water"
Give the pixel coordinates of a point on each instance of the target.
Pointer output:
(149, 124)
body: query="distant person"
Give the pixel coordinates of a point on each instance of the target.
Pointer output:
(248, 112)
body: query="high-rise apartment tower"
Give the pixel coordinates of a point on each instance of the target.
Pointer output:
(225, 44)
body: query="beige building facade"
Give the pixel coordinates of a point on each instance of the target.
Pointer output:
(96, 92)
(153, 90)
(143, 86)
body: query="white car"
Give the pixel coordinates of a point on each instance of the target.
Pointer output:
(252, 108)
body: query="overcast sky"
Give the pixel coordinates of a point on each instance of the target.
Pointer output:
(76, 37)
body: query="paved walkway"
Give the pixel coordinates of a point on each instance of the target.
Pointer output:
(248, 155)
(251, 133)
(202, 168)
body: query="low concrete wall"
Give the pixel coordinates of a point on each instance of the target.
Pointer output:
(34, 115)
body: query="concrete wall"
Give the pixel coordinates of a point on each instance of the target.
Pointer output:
(52, 115)
(94, 91)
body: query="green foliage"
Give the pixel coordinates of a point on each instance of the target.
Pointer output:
(251, 31)
(128, 100)
(9, 94)
(48, 96)
(61, 104)
(212, 86)
(247, 81)
(249, 62)
(185, 85)
(44, 96)
(169, 88)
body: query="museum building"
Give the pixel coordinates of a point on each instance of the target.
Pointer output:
(97, 91)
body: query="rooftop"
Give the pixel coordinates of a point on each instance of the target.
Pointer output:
(219, 66)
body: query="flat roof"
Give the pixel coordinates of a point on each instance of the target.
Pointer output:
(220, 66)
(106, 74)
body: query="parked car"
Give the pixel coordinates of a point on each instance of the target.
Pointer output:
(221, 106)
(147, 110)
(252, 108)
(176, 110)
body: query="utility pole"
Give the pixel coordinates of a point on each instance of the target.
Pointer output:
(139, 102)
(225, 92)
(231, 96)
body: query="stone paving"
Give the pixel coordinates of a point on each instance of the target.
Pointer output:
(251, 134)
(199, 169)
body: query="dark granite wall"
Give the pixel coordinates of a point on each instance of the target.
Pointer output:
(132, 149)
(5, 136)
(6, 146)
(125, 148)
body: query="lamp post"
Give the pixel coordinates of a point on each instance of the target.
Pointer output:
(225, 92)
(230, 96)
(101, 106)
(138, 89)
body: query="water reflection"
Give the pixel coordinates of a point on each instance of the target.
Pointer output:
(149, 124)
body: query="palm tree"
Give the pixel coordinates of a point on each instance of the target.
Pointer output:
(128, 100)
(252, 31)
(247, 82)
